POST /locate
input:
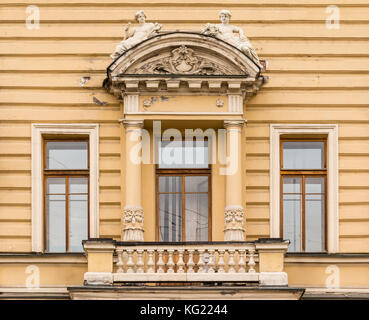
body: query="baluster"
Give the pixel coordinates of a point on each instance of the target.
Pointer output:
(120, 261)
(130, 263)
(160, 261)
(221, 261)
(231, 262)
(201, 262)
(251, 263)
(211, 263)
(150, 261)
(190, 263)
(170, 263)
(140, 264)
(241, 261)
(180, 263)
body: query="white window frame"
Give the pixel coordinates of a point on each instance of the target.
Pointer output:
(331, 130)
(38, 130)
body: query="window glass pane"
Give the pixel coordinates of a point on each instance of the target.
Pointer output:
(183, 154)
(170, 217)
(314, 185)
(292, 184)
(55, 185)
(292, 188)
(170, 184)
(196, 184)
(78, 213)
(315, 215)
(196, 217)
(78, 218)
(78, 185)
(66, 155)
(292, 221)
(55, 206)
(315, 224)
(303, 155)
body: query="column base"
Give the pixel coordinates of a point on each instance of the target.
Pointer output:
(234, 235)
(133, 234)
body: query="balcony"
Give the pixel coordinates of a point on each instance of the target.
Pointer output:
(258, 263)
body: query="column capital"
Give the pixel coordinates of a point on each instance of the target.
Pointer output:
(234, 123)
(128, 123)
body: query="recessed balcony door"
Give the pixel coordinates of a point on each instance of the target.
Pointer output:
(183, 192)
(183, 205)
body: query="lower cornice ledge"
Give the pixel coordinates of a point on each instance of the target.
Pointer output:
(98, 278)
(273, 279)
(194, 292)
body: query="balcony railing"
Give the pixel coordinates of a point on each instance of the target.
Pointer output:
(193, 262)
(259, 262)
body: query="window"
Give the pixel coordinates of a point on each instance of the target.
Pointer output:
(183, 191)
(281, 131)
(303, 194)
(66, 200)
(79, 132)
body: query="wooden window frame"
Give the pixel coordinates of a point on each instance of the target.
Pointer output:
(183, 172)
(303, 174)
(64, 173)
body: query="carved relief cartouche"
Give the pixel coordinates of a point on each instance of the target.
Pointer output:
(183, 60)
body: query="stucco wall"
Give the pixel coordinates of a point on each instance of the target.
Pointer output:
(317, 75)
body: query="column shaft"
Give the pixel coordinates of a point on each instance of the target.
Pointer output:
(234, 212)
(133, 216)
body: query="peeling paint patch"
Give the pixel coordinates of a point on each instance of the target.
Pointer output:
(84, 80)
(154, 99)
(98, 102)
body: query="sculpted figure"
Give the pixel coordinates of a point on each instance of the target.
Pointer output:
(136, 35)
(231, 34)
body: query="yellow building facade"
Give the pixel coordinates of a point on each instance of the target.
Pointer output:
(267, 139)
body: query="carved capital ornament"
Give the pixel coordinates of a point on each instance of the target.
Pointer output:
(133, 220)
(233, 223)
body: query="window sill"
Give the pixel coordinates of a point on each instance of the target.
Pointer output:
(326, 254)
(326, 258)
(33, 257)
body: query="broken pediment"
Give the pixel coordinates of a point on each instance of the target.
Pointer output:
(183, 61)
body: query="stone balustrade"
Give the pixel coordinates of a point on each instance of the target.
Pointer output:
(186, 262)
(259, 263)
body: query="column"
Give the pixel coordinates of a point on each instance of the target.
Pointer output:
(234, 213)
(133, 216)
